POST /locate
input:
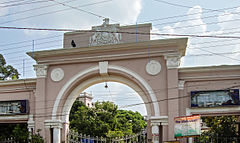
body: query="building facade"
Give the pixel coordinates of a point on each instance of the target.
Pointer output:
(86, 99)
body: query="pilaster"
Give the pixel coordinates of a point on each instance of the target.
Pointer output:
(31, 124)
(172, 63)
(40, 98)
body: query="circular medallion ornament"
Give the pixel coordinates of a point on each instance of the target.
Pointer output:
(153, 67)
(57, 74)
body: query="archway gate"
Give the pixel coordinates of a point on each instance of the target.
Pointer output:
(149, 67)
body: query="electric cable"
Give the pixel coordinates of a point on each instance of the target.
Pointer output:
(49, 114)
(34, 16)
(32, 9)
(185, 15)
(91, 13)
(185, 6)
(23, 3)
(91, 31)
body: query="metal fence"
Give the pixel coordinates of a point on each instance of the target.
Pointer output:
(9, 140)
(216, 139)
(74, 137)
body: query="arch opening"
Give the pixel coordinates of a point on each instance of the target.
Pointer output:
(120, 94)
(96, 80)
(118, 74)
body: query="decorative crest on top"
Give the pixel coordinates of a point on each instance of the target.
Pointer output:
(105, 34)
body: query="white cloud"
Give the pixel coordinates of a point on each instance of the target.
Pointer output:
(119, 11)
(3, 10)
(227, 22)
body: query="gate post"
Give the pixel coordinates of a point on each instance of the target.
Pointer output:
(157, 132)
(56, 125)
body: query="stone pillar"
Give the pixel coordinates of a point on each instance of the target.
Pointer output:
(56, 125)
(182, 103)
(156, 122)
(57, 135)
(40, 96)
(172, 62)
(65, 131)
(155, 132)
(31, 125)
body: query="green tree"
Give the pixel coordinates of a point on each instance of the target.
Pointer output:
(219, 127)
(19, 132)
(105, 120)
(7, 71)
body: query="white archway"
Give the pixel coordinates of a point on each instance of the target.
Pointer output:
(73, 95)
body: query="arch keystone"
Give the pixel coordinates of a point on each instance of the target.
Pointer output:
(103, 68)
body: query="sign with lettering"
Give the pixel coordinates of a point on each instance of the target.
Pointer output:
(14, 107)
(215, 98)
(187, 126)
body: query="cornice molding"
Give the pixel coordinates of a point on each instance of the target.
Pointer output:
(158, 120)
(105, 57)
(209, 68)
(213, 111)
(199, 78)
(14, 118)
(53, 124)
(17, 82)
(179, 43)
(23, 89)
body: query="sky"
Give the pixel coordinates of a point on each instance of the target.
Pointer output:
(191, 17)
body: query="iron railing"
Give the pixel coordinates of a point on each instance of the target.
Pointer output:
(217, 139)
(74, 137)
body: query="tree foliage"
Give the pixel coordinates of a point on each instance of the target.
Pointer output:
(7, 71)
(219, 127)
(19, 133)
(105, 120)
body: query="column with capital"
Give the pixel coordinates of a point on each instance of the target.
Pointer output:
(157, 123)
(40, 97)
(172, 63)
(55, 127)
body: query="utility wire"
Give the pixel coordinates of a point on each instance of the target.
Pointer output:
(33, 9)
(91, 13)
(49, 114)
(185, 6)
(185, 15)
(192, 19)
(23, 3)
(50, 37)
(206, 47)
(33, 16)
(222, 54)
(142, 33)
(155, 91)
(13, 1)
(39, 39)
(210, 23)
